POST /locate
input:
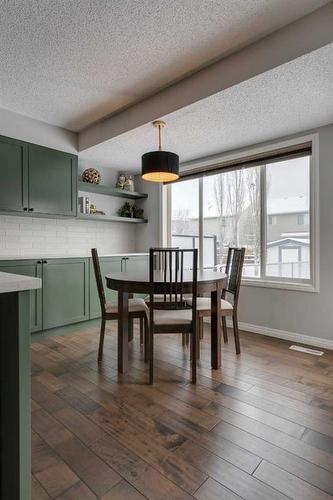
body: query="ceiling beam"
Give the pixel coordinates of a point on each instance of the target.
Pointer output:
(294, 40)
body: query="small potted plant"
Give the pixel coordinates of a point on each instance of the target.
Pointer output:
(130, 210)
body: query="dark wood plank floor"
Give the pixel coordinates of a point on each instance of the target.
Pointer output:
(259, 429)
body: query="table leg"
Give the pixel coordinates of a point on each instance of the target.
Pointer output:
(216, 327)
(122, 332)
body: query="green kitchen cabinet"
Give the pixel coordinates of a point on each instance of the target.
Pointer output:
(28, 268)
(113, 265)
(14, 175)
(137, 263)
(52, 181)
(37, 180)
(108, 265)
(65, 291)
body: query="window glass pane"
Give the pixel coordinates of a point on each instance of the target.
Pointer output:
(231, 209)
(288, 203)
(185, 214)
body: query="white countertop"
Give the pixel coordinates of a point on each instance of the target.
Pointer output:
(18, 283)
(66, 256)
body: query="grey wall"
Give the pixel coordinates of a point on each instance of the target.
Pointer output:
(28, 236)
(30, 130)
(148, 235)
(302, 312)
(308, 313)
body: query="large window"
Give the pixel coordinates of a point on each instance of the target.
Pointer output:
(288, 202)
(264, 208)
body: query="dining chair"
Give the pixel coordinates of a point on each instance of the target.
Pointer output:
(233, 270)
(137, 308)
(169, 311)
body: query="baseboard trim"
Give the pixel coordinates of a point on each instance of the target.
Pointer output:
(284, 335)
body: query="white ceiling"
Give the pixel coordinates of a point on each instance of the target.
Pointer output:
(288, 99)
(71, 62)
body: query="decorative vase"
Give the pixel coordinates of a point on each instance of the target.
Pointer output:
(91, 175)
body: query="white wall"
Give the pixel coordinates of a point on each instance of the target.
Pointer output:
(38, 237)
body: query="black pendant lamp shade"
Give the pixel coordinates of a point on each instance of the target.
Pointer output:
(160, 166)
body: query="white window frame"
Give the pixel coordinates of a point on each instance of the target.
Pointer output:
(311, 285)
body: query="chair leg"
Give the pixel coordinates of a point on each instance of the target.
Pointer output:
(236, 332)
(101, 340)
(201, 327)
(194, 355)
(130, 329)
(146, 343)
(141, 330)
(151, 356)
(198, 333)
(224, 329)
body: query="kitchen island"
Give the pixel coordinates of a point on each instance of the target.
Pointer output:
(15, 423)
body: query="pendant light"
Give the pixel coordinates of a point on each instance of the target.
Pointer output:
(160, 166)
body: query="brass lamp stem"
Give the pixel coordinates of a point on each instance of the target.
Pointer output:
(159, 124)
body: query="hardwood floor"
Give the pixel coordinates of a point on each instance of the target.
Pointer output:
(259, 429)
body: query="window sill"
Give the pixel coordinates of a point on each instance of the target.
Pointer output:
(280, 285)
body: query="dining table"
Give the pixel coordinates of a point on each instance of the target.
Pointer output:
(137, 282)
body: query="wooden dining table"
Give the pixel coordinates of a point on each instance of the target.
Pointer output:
(128, 283)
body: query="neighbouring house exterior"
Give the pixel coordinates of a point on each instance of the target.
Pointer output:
(287, 238)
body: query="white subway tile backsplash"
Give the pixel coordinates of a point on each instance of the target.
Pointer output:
(21, 236)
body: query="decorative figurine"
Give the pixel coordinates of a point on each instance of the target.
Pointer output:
(91, 175)
(129, 184)
(93, 210)
(121, 181)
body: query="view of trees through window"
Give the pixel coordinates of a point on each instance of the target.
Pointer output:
(231, 216)
(231, 212)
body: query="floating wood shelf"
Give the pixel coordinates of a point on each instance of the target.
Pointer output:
(108, 191)
(111, 218)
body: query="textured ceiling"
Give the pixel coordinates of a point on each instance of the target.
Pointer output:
(71, 62)
(291, 98)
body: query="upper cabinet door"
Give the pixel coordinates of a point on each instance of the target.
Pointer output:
(13, 175)
(52, 181)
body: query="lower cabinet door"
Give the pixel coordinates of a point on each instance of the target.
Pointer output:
(28, 268)
(65, 291)
(108, 265)
(138, 263)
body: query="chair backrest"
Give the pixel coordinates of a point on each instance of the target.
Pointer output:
(98, 277)
(168, 279)
(233, 269)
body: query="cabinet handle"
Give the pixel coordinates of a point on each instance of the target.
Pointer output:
(39, 262)
(31, 209)
(25, 209)
(44, 262)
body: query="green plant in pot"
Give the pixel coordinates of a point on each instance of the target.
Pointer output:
(130, 210)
